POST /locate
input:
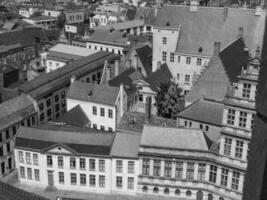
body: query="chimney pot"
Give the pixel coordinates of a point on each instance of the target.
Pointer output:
(216, 50)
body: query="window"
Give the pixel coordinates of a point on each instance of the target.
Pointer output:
(102, 112)
(179, 59)
(94, 126)
(60, 161)
(243, 119)
(145, 167)
(224, 177)
(246, 90)
(231, 117)
(188, 193)
(156, 190)
(206, 128)
(144, 189)
(29, 173)
(190, 171)
(37, 174)
(61, 177)
(7, 134)
(35, 159)
(171, 57)
(63, 94)
(92, 164)
(164, 40)
(49, 161)
(21, 160)
(187, 78)
(83, 179)
(130, 183)
(130, 167)
(22, 172)
(102, 128)
(82, 163)
(119, 166)
(179, 169)
(56, 98)
(49, 112)
(72, 163)
(110, 129)
(48, 102)
(41, 106)
(73, 178)
(101, 181)
(110, 113)
(252, 120)
(166, 191)
(164, 56)
(188, 60)
(140, 97)
(210, 197)
(213, 173)
(235, 180)
(119, 182)
(156, 168)
(8, 147)
(101, 165)
(199, 61)
(177, 192)
(168, 168)
(201, 171)
(28, 158)
(94, 110)
(178, 76)
(227, 146)
(239, 149)
(14, 129)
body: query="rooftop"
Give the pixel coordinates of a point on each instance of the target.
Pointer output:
(198, 30)
(174, 138)
(125, 25)
(89, 92)
(41, 18)
(145, 55)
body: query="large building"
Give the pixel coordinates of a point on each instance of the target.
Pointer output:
(183, 36)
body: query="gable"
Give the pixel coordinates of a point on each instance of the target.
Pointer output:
(60, 149)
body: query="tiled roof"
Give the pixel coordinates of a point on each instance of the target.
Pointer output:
(175, 138)
(209, 24)
(89, 92)
(9, 192)
(212, 84)
(135, 121)
(145, 55)
(146, 13)
(126, 145)
(63, 57)
(80, 142)
(124, 25)
(48, 82)
(126, 78)
(15, 110)
(74, 117)
(161, 75)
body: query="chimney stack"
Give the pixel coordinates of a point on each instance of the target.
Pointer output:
(116, 67)
(108, 74)
(121, 100)
(216, 50)
(73, 78)
(225, 13)
(241, 32)
(148, 109)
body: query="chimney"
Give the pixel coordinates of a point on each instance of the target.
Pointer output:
(116, 67)
(108, 74)
(216, 50)
(241, 32)
(73, 78)
(193, 5)
(225, 13)
(121, 100)
(148, 109)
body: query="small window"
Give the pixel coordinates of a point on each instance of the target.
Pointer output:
(164, 40)
(188, 193)
(188, 60)
(155, 190)
(177, 192)
(144, 189)
(166, 191)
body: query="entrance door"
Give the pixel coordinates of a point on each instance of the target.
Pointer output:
(199, 195)
(50, 179)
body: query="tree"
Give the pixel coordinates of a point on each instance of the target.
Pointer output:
(169, 100)
(61, 20)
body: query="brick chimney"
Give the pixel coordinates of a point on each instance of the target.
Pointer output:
(216, 50)
(148, 109)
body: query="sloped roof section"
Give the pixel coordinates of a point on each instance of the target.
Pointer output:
(212, 84)
(90, 92)
(175, 138)
(145, 55)
(198, 30)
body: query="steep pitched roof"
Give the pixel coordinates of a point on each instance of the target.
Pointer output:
(126, 145)
(80, 142)
(209, 24)
(161, 75)
(145, 55)
(74, 117)
(89, 92)
(212, 84)
(175, 138)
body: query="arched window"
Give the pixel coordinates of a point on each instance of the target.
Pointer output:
(156, 190)
(177, 192)
(221, 198)
(210, 197)
(145, 189)
(188, 193)
(166, 191)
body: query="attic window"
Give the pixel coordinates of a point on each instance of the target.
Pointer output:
(168, 23)
(200, 49)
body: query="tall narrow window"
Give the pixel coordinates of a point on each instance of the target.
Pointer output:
(213, 173)
(227, 146)
(101, 165)
(224, 177)
(164, 40)
(73, 163)
(35, 159)
(164, 56)
(60, 161)
(171, 57)
(190, 171)
(201, 171)
(119, 166)
(179, 169)
(49, 161)
(246, 90)
(231, 117)
(92, 164)
(130, 167)
(145, 167)
(188, 60)
(243, 119)
(199, 61)
(28, 158)
(235, 180)
(156, 168)
(168, 168)
(239, 149)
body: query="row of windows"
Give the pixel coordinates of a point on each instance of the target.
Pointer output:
(105, 49)
(102, 112)
(190, 171)
(73, 163)
(186, 78)
(188, 60)
(32, 174)
(119, 166)
(83, 179)
(242, 118)
(30, 158)
(238, 149)
(201, 126)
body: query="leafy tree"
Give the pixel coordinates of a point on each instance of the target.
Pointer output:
(61, 20)
(169, 100)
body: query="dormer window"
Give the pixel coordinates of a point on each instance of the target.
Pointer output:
(246, 90)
